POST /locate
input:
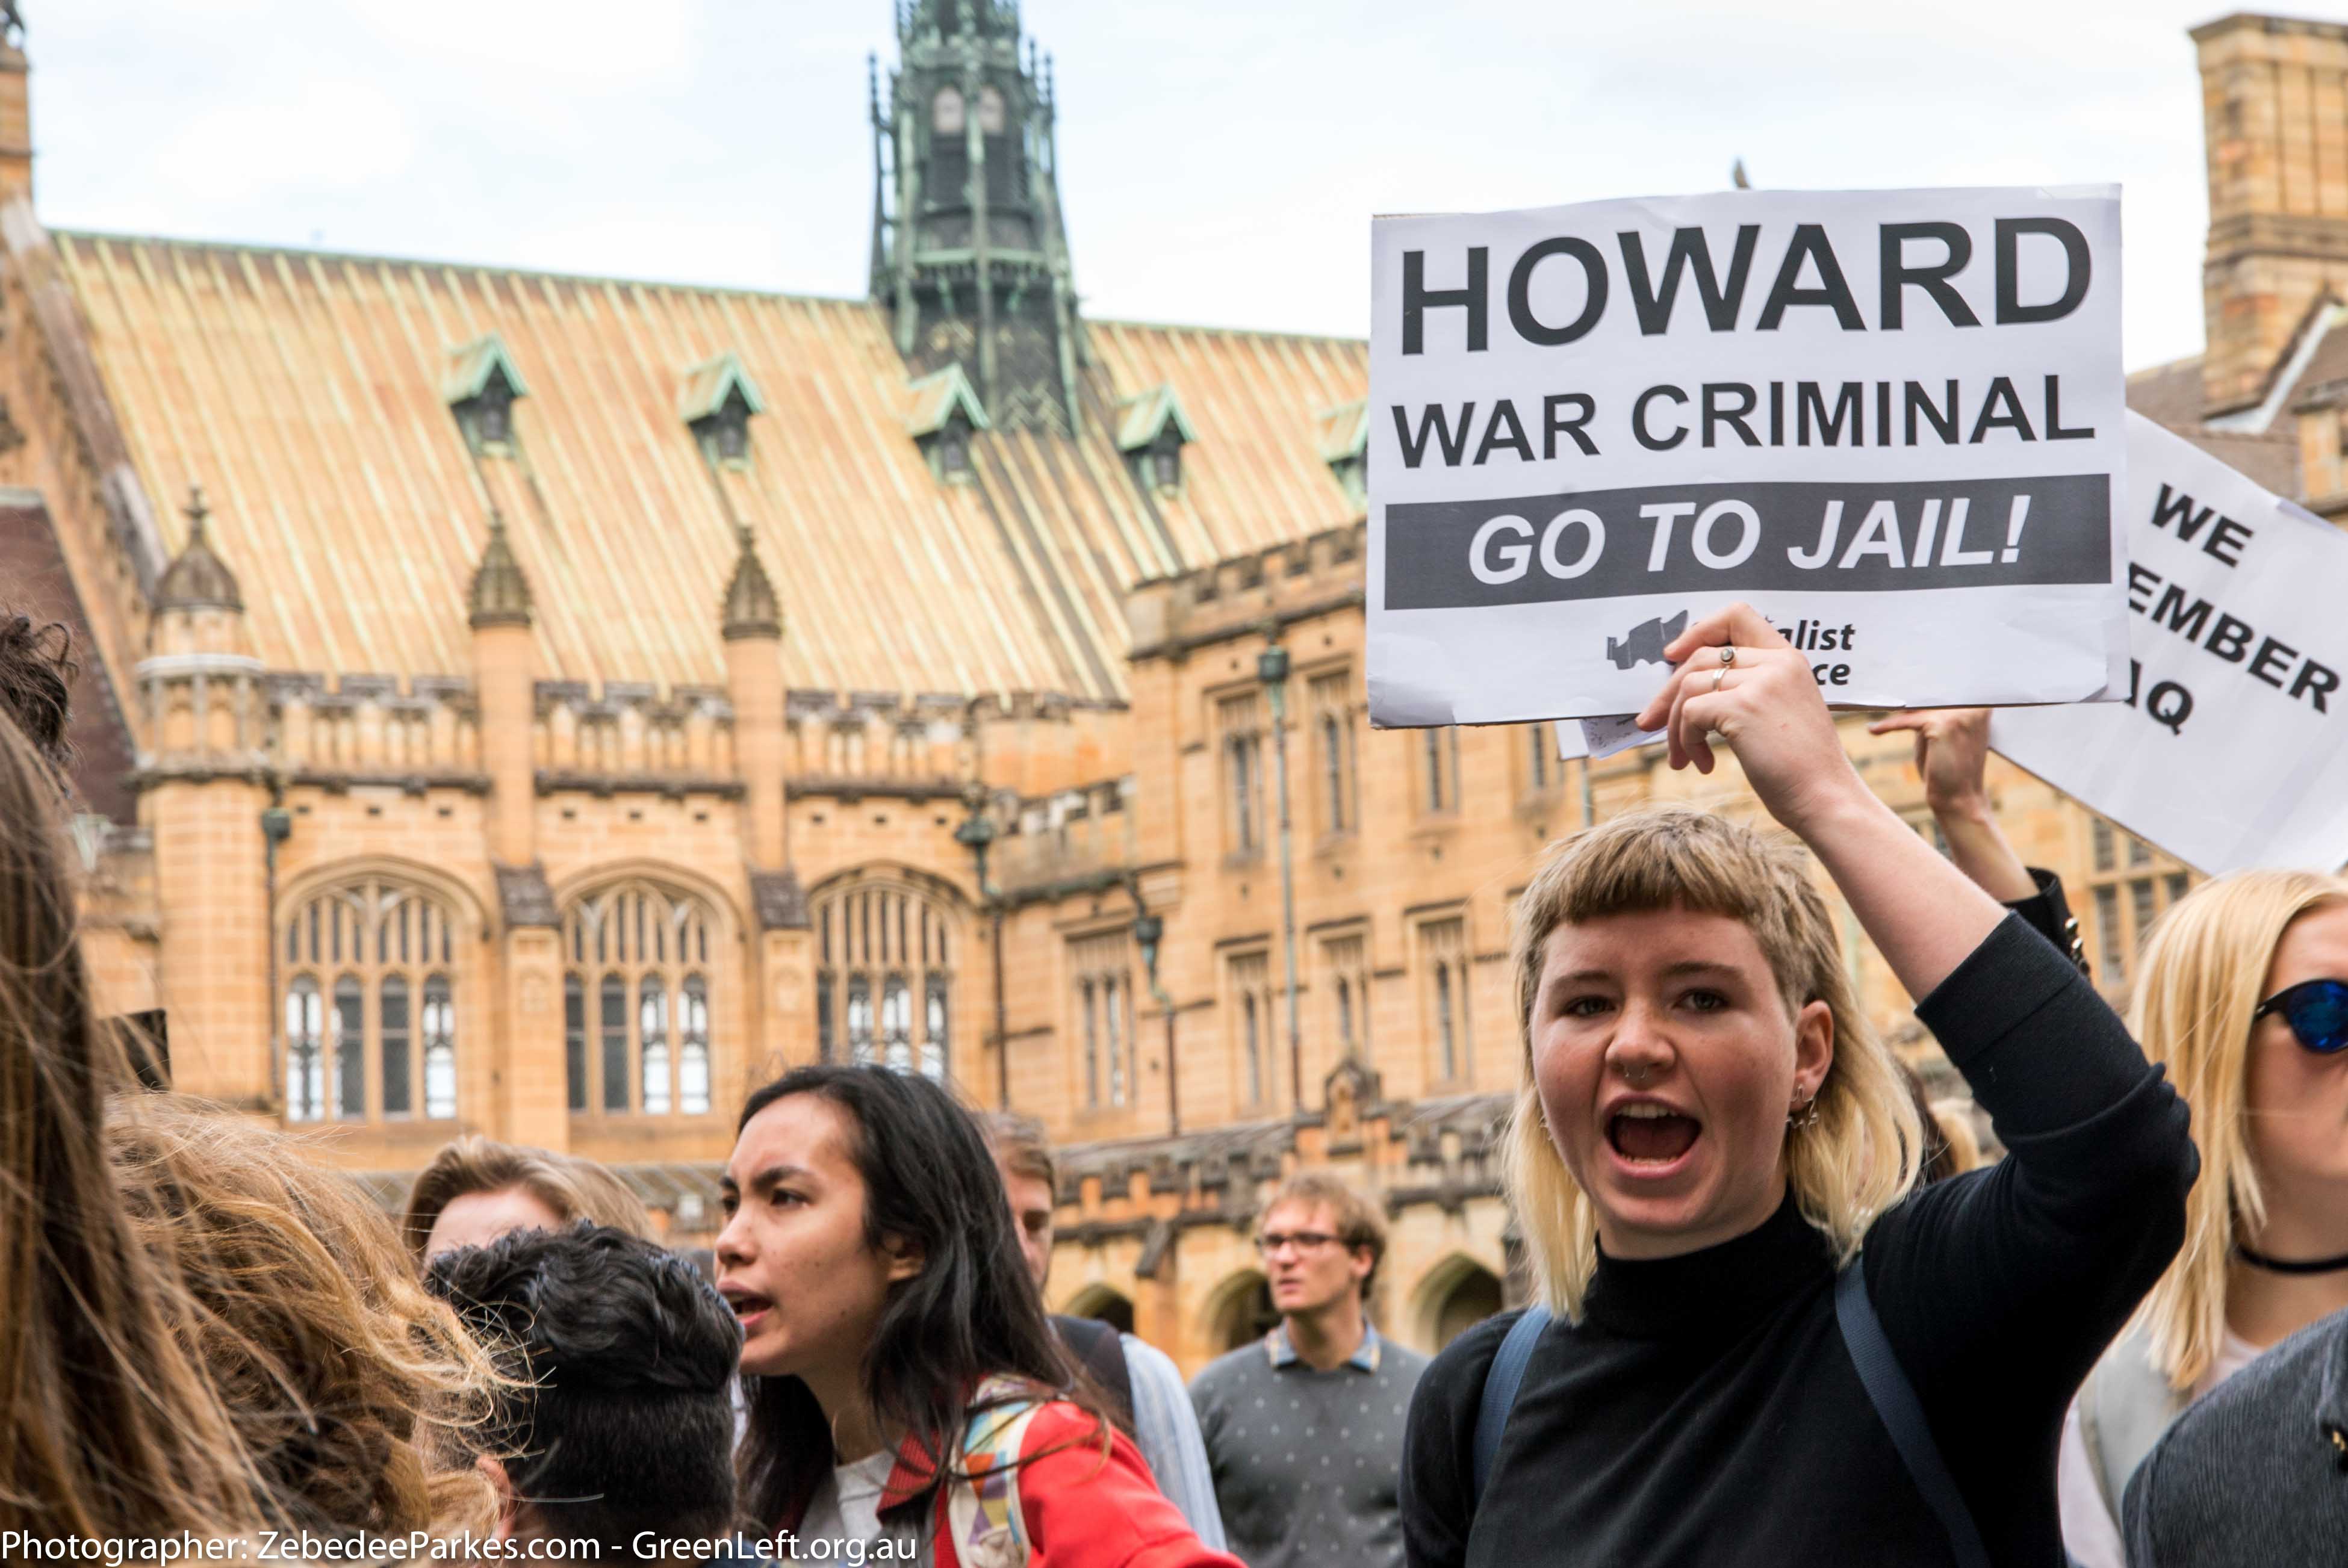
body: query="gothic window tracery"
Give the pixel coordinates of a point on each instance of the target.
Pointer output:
(640, 951)
(368, 968)
(884, 977)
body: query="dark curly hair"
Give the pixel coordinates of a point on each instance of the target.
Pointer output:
(621, 1417)
(36, 677)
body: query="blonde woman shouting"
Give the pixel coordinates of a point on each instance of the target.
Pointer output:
(1759, 1341)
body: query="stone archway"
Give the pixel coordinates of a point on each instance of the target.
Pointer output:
(1102, 1305)
(1240, 1312)
(1456, 1295)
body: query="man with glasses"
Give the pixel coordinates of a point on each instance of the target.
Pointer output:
(1304, 1427)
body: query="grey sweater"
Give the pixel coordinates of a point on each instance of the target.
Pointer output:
(2256, 1473)
(1306, 1463)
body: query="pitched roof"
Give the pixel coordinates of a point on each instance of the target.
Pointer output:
(307, 392)
(2170, 395)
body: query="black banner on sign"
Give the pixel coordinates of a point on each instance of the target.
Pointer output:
(1750, 538)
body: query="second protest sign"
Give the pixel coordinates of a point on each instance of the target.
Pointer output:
(1891, 420)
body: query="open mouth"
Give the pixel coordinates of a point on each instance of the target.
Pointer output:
(746, 1306)
(1650, 1134)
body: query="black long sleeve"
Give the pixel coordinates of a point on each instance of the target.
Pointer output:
(1999, 1290)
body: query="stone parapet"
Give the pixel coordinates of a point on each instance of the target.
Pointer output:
(1172, 616)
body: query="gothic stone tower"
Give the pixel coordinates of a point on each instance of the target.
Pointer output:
(969, 255)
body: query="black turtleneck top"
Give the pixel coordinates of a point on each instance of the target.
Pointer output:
(1705, 1412)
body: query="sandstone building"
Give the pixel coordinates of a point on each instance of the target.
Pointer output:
(549, 704)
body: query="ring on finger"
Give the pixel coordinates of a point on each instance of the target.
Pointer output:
(1727, 655)
(1718, 677)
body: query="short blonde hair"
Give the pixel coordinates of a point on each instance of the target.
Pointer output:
(1862, 1153)
(2197, 983)
(571, 1187)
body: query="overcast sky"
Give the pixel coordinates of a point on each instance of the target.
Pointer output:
(1220, 159)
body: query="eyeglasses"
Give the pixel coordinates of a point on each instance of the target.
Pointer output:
(1302, 1241)
(2317, 1011)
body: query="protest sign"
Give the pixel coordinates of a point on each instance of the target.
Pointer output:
(1891, 420)
(2231, 750)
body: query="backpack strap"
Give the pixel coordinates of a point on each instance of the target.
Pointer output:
(1902, 1413)
(1501, 1381)
(983, 1500)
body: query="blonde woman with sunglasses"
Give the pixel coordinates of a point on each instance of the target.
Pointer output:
(2242, 994)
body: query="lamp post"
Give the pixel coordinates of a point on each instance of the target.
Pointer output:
(1271, 669)
(976, 833)
(1148, 931)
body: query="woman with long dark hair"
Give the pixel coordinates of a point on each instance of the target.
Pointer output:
(903, 1384)
(1760, 1340)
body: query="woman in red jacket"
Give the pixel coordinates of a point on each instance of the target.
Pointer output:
(907, 1397)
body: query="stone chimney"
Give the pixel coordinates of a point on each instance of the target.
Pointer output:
(2274, 102)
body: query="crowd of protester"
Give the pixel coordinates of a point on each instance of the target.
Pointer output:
(1783, 1310)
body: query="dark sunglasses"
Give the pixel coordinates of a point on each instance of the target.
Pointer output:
(2317, 1011)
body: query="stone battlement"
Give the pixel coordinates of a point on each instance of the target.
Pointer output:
(1169, 617)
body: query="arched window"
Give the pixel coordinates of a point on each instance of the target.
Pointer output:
(990, 111)
(897, 1024)
(439, 1051)
(693, 1049)
(392, 1031)
(305, 1078)
(370, 1004)
(652, 1028)
(574, 1042)
(884, 958)
(350, 1050)
(946, 112)
(644, 950)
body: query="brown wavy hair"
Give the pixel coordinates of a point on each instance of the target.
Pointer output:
(572, 1187)
(350, 1384)
(107, 1426)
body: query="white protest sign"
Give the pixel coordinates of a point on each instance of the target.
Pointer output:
(2232, 748)
(1890, 419)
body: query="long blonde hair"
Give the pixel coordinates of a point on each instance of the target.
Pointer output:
(350, 1386)
(108, 1428)
(1862, 1152)
(2198, 982)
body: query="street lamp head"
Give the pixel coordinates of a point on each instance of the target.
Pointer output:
(975, 833)
(1148, 930)
(1272, 666)
(276, 825)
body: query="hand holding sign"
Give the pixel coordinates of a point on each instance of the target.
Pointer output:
(1734, 672)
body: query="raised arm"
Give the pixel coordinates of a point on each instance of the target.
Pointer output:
(1734, 674)
(1952, 756)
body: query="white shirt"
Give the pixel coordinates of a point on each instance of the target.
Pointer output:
(845, 1513)
(2089, 1531)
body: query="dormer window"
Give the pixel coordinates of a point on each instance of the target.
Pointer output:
(718, 401)
(953, 450)
(1345, 448)
(493, 412)
(480, 388)
(944, 414)
(1151, 431)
